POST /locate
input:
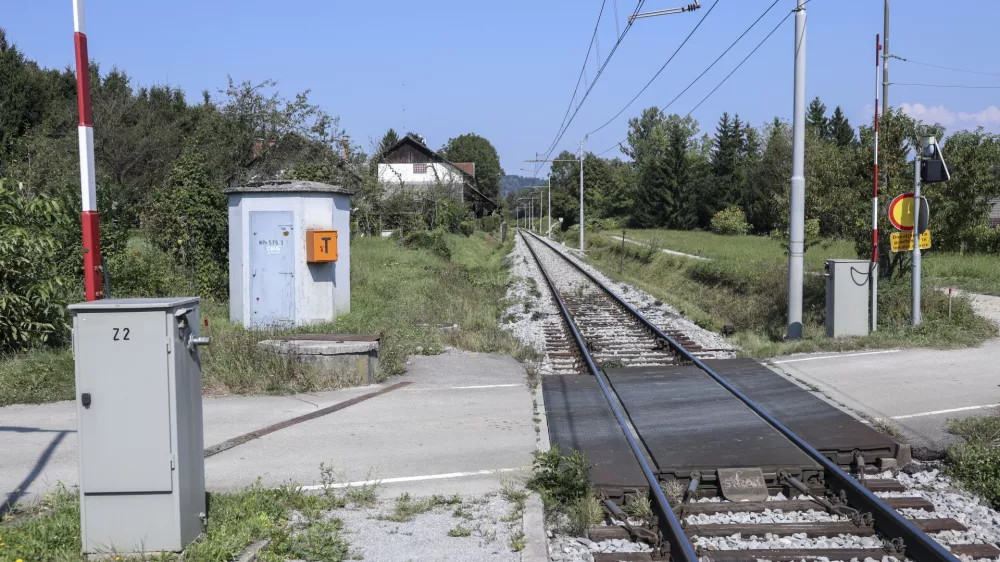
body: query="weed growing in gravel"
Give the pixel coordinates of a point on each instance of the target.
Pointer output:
(583, 513)
(560, 479)
(638, 505)
(517, 541)
(976, 462)
(462, 513)
(459, 531)
(406, 507)
(320, 541)
(673, 490)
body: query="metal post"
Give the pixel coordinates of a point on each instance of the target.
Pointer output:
(885, 58)
(873, 275)
(915, 259)
(581, 193)
(88, 185)
(549, 233)
(796, 242)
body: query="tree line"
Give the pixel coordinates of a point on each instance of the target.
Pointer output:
(162, 161)
(674, 176)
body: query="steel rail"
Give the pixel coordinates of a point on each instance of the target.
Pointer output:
(680, 548)
(891, 523)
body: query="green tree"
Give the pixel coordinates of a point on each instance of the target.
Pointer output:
(189, 220)
(768, 208)
(388, 140)
(816, 121)
(648, 145)
(961, 206)
(840, 129)
(474, 148)
(37, 233)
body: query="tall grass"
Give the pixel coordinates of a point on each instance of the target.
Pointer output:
(398, 292)
(747, 292)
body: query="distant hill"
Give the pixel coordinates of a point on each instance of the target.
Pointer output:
(516, 183)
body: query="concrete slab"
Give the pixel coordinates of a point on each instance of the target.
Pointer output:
(919, 390)
(463, 416)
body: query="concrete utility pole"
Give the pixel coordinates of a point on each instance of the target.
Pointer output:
(796, 241)
(581, 192)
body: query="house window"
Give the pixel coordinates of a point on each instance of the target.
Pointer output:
(420, 168)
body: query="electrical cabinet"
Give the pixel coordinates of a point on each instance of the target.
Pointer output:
(139, 418)
(847, 289)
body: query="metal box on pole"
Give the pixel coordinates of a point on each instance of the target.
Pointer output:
(139, 418)
(847, 286)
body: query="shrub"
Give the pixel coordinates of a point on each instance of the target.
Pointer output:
(730, 221)
(466, 228)
(433, 241)
(977, 465)
(490, 223)
(190, 220)
(560, 479)
(39, 268)
(142, 270)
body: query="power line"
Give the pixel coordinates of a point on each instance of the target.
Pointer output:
(693, 82)
(768, 36)
(945, 86)
(658, 72)
(593, 83)
(583, 68)
(943, 67)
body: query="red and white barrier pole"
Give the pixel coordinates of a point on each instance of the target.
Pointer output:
(874, 266)
(92, 274)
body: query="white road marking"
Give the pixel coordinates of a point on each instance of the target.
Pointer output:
(948, 411)
(410, 479)
(487, 386)
(836, 356)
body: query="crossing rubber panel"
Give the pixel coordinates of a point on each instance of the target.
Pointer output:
(579, 418)
(832, 431)
(687, 421)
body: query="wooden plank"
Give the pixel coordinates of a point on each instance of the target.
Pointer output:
(938, 525)
(794, 554)
(608, 532)
(781, 529)
(826, 529)
(623, 557)
(710, 508)
(975, 550)
(883, 485)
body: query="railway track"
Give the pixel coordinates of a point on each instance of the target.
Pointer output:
(814, 509)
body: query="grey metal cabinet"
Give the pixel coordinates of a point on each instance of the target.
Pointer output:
(847, 288)
(139, 415)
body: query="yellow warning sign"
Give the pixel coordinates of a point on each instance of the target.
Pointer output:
(903, 241)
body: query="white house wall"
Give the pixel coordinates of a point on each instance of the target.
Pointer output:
(392, 176)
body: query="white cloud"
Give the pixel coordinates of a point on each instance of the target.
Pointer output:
(936, 114)
(988, 118)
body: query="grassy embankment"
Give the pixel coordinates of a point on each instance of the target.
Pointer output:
(976, 462)
(400, 292)
(744, 286)
(50, 528)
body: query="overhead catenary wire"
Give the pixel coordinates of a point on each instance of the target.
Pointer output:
(660, 71)
(593, 83)
(755, 49)
(583, 68)
(962, 86)
(899, 58)
(709, 67)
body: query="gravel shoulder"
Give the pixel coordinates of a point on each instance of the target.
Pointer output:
(461, 529)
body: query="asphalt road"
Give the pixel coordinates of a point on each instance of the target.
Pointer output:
(462, 424)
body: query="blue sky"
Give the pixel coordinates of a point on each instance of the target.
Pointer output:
(506, 70)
